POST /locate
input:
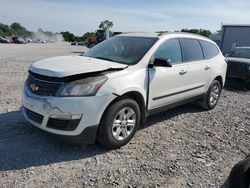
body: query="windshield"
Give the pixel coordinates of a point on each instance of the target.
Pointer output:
(122, 49)
(241, 53)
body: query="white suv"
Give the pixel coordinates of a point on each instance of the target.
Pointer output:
(107, 92)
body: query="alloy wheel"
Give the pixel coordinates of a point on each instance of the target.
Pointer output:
(214, 95)
(124, 123)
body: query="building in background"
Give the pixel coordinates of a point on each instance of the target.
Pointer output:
(234, 36)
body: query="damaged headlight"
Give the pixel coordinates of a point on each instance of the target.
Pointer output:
(83, 87)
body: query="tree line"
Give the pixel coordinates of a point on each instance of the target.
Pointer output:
(16, 29)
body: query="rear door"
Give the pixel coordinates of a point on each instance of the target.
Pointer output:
(212, 60)
(168, 84)
(198, 69)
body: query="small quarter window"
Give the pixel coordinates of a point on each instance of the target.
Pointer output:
(209, 49)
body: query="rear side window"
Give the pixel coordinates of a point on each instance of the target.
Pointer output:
(170, 49)
(209, 49)
(192, 50)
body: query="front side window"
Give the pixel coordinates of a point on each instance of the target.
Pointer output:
(122, 49)
(192, 50)
(170, 49)
(209, 49)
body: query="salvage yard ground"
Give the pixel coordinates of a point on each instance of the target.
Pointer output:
(183, 147)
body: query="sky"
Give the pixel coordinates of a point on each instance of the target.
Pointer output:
(80, 16)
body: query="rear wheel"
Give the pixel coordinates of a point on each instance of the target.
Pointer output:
(119, 123)
(212, 96)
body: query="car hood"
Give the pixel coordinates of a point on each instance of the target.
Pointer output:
(238, 60)
(72, 65)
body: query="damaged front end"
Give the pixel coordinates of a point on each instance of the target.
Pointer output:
(52, 86)
(66, 106)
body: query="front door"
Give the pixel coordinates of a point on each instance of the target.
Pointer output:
(168, 84)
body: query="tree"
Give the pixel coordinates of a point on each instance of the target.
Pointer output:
(219, 32)
(4, 30)
(88, 34)
(70, 37)
(203, 32)
(18, 30)
(106, 25)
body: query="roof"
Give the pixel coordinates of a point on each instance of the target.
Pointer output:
(236, 25)
(243, 47)
(139, 34)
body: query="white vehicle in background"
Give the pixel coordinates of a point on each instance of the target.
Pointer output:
(107, 92)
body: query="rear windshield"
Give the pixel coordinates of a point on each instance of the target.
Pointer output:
(122, 49)
(241, 53)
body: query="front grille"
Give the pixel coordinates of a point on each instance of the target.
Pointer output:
(42, 87)
(66, 125)
(38, 118)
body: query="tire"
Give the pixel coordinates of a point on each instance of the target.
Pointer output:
(206, 102)
(240, 175)
(114, 135)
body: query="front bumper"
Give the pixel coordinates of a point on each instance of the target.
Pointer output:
(86, 110)
(238, 71)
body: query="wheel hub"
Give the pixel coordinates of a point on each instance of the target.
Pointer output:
(124, 123)
(214, 95)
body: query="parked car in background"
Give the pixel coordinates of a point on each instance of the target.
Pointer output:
(107, 92)
(28, 40)
(40, 41)
(18, 40)
(240, 175)
(239, 64)
(4, 40)
(79, 43)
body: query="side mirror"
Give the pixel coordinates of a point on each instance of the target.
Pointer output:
(162, 62)
(226, 55)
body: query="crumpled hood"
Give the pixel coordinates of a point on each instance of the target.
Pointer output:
(238, 60)
(71, 65)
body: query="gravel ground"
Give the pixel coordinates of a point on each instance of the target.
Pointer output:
(183, 147)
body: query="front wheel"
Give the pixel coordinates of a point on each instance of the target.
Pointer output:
(212, 96)
(119, 123)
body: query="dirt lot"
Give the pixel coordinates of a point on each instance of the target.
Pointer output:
(184, 147)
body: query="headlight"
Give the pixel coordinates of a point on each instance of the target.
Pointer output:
(83, 87)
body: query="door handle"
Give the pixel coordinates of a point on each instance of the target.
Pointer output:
(207, 67)
(182, 72)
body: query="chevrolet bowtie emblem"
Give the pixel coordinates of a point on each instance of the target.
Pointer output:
(33, 87)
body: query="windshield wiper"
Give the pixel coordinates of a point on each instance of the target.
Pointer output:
(104, 58)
